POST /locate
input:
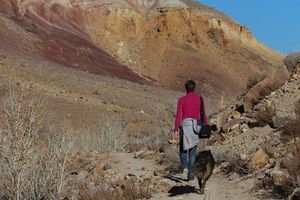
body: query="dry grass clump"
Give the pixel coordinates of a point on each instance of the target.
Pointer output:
(32, 162)
(105, 137)
(292, 60)
(154, 141)
(291, 128)
(265, 116)
(127, 189)
(167, 154)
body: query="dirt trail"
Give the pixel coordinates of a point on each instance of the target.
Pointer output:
(218, 187)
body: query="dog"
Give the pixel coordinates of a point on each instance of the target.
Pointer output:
(203, 168)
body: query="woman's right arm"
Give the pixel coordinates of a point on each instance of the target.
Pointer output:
(178, 115)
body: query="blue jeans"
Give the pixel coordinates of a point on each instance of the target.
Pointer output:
(187, 158)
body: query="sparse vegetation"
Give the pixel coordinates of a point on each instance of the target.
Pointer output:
(106, 136)
(238, 166)
(32, 161)
(292, 60)
(292, 128)
(128, 189)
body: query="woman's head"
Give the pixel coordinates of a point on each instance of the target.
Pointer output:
(190, 86)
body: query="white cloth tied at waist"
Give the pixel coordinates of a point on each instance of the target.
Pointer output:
(190, 139)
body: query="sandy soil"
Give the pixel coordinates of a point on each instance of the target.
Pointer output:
(218, 187)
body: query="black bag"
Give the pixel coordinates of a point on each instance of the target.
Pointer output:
(205, 131)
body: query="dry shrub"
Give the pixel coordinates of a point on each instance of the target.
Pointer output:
(129, 189)
(32, 163)
(155, 141)
(294, 169)
(297, 108)
(238, 166)
(291, 128)
(167, 154)
(292, 60)
(105, 137)
(265, 116)
(287, 187)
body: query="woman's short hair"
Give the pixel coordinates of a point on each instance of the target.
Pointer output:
(190, 86)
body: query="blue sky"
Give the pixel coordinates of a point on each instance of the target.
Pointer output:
(275, 23)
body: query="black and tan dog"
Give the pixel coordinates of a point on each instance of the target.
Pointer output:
(203, 168)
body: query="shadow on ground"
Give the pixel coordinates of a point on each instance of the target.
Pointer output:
(175, 179)
(180, 190)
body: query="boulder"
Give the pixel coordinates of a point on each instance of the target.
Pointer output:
(259, 160)
(235, 115)
(231, 125)
(233, 176)
(159, 172)
(265, 87)
(280, 177)
(244, 128)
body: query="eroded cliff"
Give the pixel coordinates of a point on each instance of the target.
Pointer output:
(163, 42)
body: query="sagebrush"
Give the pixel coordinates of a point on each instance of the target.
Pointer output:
(292, 60)
(107, 136)
(32, 161)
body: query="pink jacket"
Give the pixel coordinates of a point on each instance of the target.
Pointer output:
(188, 107)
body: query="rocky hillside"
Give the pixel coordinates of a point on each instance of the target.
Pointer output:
(159, 42)
(82, 77)
(263, 142)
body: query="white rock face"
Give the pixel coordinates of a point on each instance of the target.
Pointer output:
(141, 4)
(148, 4)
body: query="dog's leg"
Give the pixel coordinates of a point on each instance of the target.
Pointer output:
(201, 186)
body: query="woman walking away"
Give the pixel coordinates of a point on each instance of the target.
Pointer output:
(188, 112)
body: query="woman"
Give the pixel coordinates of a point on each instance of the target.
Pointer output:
(188, 112)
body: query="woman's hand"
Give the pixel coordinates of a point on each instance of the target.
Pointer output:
(176, 135)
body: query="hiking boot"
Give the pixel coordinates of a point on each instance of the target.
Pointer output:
(184, 174)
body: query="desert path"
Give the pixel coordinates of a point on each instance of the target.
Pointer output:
(218, 187)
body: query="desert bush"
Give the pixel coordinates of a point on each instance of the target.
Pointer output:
(32, 162)
(292, 60)
(265, 116)
(104, 137)
(291, 128)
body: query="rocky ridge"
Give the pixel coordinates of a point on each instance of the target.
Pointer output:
(155, 41)
(246, 148)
